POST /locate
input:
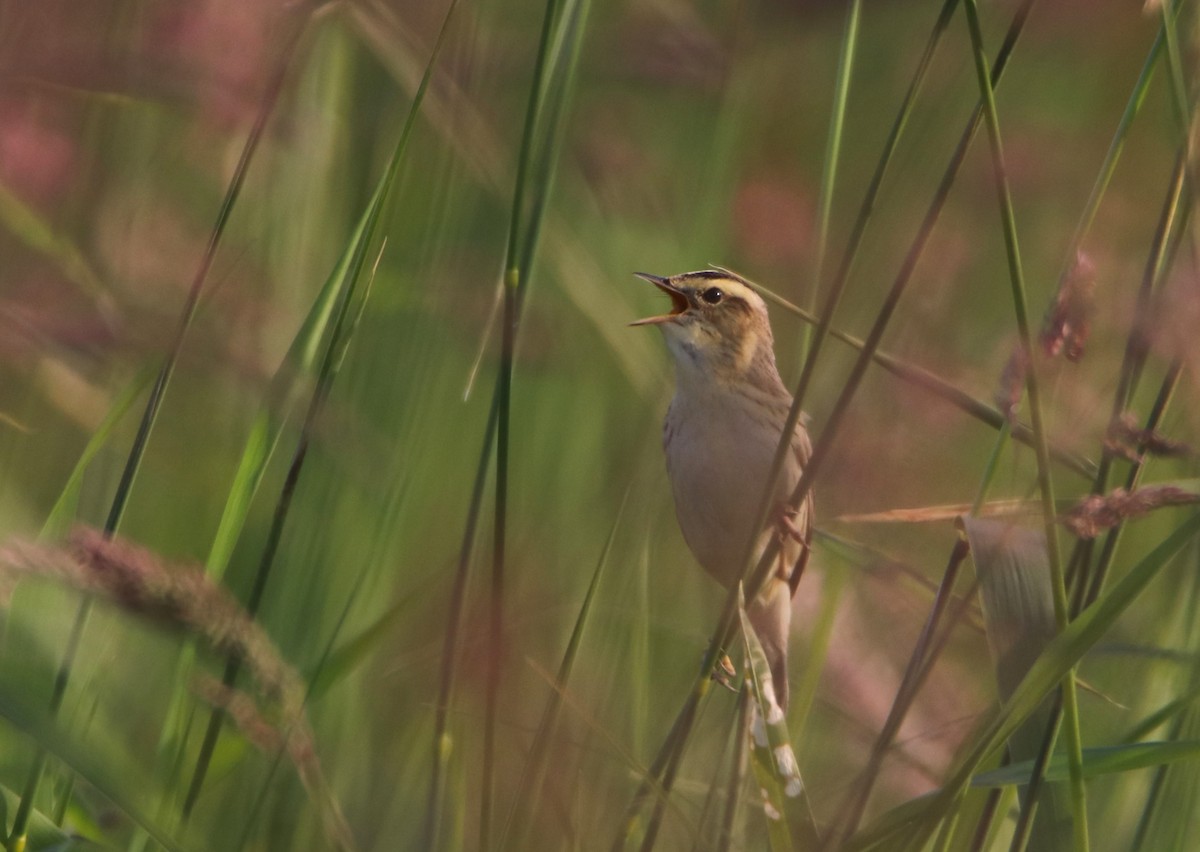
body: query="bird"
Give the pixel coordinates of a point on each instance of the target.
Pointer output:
(720, 437)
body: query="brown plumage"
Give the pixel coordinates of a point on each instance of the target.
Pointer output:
(720, 437)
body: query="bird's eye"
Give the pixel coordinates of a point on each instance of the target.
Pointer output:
(712, 295)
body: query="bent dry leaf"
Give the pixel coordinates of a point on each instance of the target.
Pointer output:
(916, 817)
(1013, 569)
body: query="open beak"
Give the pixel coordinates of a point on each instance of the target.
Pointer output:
(679, 302)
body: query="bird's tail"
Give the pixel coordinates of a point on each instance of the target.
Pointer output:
(771, 616)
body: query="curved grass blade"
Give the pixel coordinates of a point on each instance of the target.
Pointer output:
(1097, 761)
(348, 311)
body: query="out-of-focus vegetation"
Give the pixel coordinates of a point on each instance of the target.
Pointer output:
(318, 444)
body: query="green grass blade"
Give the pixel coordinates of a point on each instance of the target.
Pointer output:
(833, 143)
(1097, 761)
(62, 514)
(1044, 477)
(562, 25)
(349, 309)
(105, 773)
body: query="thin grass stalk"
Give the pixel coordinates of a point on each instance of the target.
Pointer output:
(339, 340)
(264, 436)
(1088, 582)
(566, 49)
(737, 773)
(943, 390)
(928, 650)
(670, 770)
(1024, 828)
(652, 781)
(533, 777)
(1060, 655)
(709, 822)
(858, 230)
(1153, 797)
(1045, 480)
(1168, 234)
(515, 280)
(833, 144)
(926, 654)
(448, 671)
(850, 814)
(833, 297)
(154, 403)
(1132, 107)
(59, 519)
(822, 448)
(1179, 93)
(804, 694)
(986, 819)
(1178, 723)
(256, 809)
(942, 842)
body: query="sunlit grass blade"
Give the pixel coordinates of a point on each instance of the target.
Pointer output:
(833, 143)
(344, 322)
(837, 286)
(294, 376)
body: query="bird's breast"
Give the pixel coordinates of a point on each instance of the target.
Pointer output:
(719, 453)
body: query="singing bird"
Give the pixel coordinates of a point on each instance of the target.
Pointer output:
(720, 437)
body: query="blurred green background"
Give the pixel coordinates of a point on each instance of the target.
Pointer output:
(695, 134)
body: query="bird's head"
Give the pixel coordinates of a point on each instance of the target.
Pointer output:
(717, 323)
